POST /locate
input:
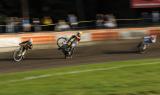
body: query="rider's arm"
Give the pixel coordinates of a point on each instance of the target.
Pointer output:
(30, 45)
(79, 39)
(26, 43)
(23, 43)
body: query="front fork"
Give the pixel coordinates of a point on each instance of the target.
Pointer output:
(22, 51)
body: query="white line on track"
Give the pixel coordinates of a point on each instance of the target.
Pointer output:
(75, 72)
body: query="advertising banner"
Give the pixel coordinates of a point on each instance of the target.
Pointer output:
(145, 3)
(9, 42)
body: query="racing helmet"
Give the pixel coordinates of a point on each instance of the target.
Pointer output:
(79, 33)
(31, 40)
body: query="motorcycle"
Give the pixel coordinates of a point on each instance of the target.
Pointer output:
(143, 46)
(20, 53)
(66, 47)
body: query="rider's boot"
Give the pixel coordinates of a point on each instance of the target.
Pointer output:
(69, 53)
(19, 54)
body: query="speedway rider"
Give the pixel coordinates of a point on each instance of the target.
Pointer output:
(72, 42)
(75, 39)
(26, 45)
(150, 39)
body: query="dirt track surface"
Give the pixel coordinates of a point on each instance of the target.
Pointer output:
(51, 58)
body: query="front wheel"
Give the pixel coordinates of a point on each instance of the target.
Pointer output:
(18, 54)
(61, 41)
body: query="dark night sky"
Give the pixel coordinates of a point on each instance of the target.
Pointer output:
(9, 7)
(60, 8)
(53, 8)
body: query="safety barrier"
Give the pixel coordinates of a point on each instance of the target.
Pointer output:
(9, 40)
(154, 31)
(39, 38)
(101, 35)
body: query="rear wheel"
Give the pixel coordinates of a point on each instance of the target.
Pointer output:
(72, 51)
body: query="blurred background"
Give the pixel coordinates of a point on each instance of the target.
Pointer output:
(61, 15)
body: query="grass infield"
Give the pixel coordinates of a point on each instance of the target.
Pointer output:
(135, 77)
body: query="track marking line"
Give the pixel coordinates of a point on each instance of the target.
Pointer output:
(75, 72)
